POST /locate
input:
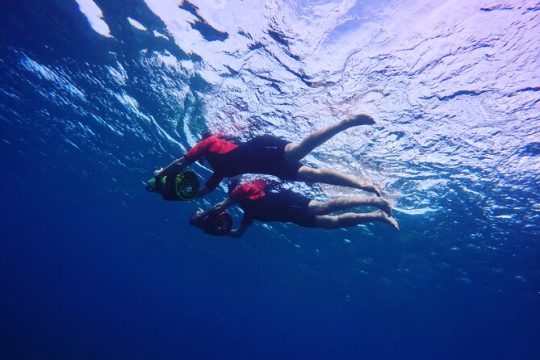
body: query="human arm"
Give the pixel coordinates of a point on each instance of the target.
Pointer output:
(173, 168)
(210, 185)
(222, 206)
(201, 219)
(176, 168)
(216, 209)
(192, 155)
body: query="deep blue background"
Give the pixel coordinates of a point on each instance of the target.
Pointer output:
(93, 267)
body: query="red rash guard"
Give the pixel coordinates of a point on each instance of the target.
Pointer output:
(260, 155)
(251, 191)
(214, 149)
(262, 202)
(210, 145)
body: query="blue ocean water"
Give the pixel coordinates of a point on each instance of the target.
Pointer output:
(95, 95)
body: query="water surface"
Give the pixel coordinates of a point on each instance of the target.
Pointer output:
(95, 95)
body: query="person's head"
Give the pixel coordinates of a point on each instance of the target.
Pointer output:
(216, 224)
(196, 218)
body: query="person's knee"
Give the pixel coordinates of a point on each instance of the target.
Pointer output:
(326, 221)
(306, 173)
(291, 151)
(317, 207)
(322, 175)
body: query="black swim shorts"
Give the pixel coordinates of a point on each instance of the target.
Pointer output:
(285, 206)
(266, 155)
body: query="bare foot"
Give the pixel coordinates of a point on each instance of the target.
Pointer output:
(389, 220)
(374, 188)
(384, 205)
(393, 222)
(360, 119)
(377, 190)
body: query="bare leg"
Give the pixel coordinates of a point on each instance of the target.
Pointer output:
(334, 177)
(353, 219)
(343, 203)
(297, 151)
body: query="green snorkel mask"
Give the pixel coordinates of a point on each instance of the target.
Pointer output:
(180, 187)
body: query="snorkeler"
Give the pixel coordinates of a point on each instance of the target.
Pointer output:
(263, 202)
(272, 156)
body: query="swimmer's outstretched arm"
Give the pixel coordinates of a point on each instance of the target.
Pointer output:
(178, 165)
(225, 204)
(174, 168)
(219, 207)
(193, 154)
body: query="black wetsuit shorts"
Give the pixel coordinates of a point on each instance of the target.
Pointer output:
(264, 155)
(282, 206)
(260, 155)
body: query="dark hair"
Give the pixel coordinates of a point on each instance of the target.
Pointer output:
(216, 224)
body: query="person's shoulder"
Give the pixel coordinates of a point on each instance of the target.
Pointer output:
(250, 190)
(240, 189)
(216, 139)
(209, 139)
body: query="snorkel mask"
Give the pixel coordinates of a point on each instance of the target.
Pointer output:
(216, 224)
(180, 187)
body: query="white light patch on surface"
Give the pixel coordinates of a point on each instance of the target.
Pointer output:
(59, 78)
(136, 24)
(160, 35)
(95, 17)
(215, 54)
(120, 74)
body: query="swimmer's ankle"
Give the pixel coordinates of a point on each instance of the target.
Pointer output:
(358, 119)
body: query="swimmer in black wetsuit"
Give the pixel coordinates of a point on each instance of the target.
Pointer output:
(263, 203)
(272, 156)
